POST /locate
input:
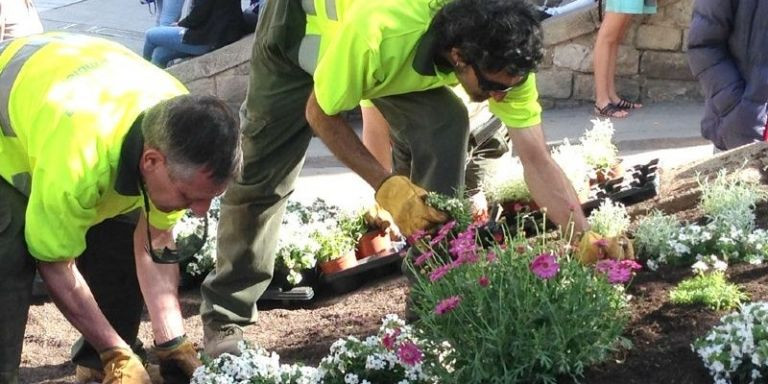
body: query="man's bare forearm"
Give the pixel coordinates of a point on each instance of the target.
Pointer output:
(341, 139)
(74, 299)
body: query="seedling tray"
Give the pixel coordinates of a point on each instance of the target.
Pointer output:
(366, 269)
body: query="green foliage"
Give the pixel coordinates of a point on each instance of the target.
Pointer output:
(709, 289)
(456, 208)
(609, 219)
(730, 202)
(653, 232)
(506, 323)
(599, 151)
(353, 224)
(333, 243)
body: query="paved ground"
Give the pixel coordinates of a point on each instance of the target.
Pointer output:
(666, 130)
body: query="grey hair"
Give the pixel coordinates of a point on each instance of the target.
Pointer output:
(195, 132)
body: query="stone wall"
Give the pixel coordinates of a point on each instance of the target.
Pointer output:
(652, 63)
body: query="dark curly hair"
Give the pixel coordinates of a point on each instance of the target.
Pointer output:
(493, 35)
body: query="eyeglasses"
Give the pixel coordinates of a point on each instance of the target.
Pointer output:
(492, 86)
(173, 256)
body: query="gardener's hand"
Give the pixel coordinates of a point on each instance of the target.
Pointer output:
(122, 366)
(405, 201)
(594, 247)
(379, 218)
(178, 360)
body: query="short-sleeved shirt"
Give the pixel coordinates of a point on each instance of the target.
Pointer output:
(373, 49)
(70, 139)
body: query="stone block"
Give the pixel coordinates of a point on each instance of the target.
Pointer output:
(546, 60)
(684, 48)
(671, 90)
(232, 88)
(627, 61)
(583, 86)
(570, 25)
(202, 86)
(665, 65)
(555, 83)
(575, 57)
(673, 14)
(658, 37)
(628, 87)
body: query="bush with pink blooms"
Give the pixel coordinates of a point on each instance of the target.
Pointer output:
(525, 311)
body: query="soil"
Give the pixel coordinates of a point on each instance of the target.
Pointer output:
(660, 332)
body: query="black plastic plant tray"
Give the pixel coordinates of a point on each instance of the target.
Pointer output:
(639, 183)
(366, 269)
(294, 294)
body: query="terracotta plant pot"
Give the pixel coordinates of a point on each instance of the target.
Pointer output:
(373, 243)
(346, 261)
(516, 206)
(616, 171)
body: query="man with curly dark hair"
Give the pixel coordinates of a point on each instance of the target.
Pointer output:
(314, 59)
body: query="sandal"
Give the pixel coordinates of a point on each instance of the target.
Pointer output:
(626, 104)
(610, 110)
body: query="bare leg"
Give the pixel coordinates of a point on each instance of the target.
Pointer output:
(614, 96)
(376, 136)
(606, 50)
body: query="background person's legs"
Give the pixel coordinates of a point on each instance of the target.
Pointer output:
(17, 269)
(275, 139)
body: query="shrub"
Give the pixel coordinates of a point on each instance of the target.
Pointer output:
(736, 351)
(653, 234)
(609, 219)
(709, 289)
(729, 203)
(525, 312)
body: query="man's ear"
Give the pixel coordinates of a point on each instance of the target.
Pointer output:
(151, 159)
(457, 60)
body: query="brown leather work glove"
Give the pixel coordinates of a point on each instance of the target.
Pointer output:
(379, 218)
(122, 366)
(405, 201)
(594, 247)
(178, 361)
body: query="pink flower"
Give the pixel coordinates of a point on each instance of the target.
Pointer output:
(422, 258)
(389, 339)
(443, 232)
(545, 266)
(440, 271)
(631, 264)
(416, 236)
(491, 256)
(617, 272)
(409, 353)
(521, 248)
(483, 281)
(447, 305)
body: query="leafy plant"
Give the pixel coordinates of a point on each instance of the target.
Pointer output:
(729, 202)
(508, 185)
(525, 312)
(736, 351)
(353, 224)
(709, 289)
(332, 244)
(190, 228)
(599, 151)
(609, 219)
(456, 208)
(653, 234)
(571, 159)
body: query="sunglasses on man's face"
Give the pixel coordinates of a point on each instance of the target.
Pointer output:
(488, 85)
(173, 256)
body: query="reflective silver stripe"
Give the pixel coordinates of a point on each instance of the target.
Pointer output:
(309, 7)
(330, 9)
(22, 182)
(8, 76)
(309, 49)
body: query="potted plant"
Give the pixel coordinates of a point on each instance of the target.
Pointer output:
(336, 250)
(600, 152)
(368, 242)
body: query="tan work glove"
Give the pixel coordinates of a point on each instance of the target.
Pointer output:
(178, 361)
(594, 247)
(122, 366)
(378, 217)
(405, 201)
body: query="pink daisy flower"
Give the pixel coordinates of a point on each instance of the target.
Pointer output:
(409, 353)
(447, 305)
(545, 266)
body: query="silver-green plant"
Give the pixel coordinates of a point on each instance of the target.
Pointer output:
(730, 202)
(570, 158)
(599, 151)
(653, 235)
(610, 219)
(508, 185)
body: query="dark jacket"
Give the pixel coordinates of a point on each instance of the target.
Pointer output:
(728, 54)
(214, 22)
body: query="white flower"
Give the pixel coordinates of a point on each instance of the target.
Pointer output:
(699, 267)
(351, 378)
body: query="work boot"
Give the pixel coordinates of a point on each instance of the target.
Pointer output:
(85, 375)
(222, 339)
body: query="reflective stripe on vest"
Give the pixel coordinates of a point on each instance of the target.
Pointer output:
(309, 48)
(22, 182)
(8, 76)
